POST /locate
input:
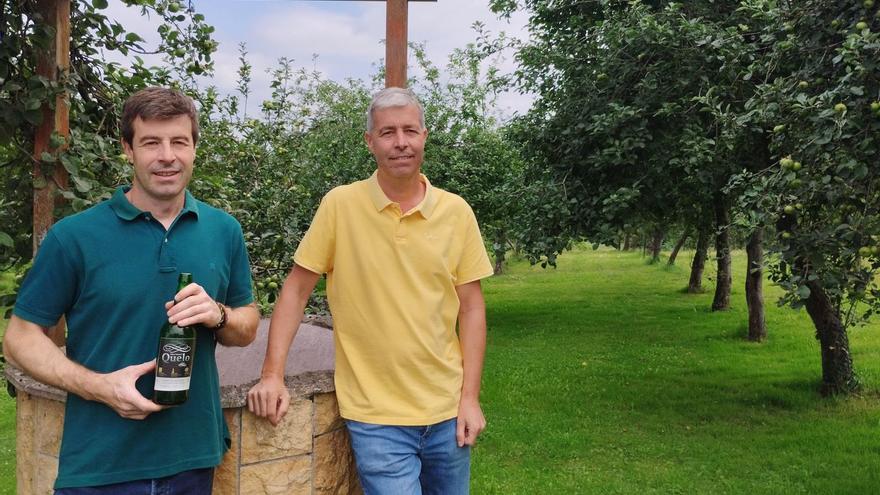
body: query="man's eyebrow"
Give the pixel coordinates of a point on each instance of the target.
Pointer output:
(157, 138)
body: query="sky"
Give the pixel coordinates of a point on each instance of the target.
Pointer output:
(345, 36)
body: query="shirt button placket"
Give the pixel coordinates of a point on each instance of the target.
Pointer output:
(400, 227)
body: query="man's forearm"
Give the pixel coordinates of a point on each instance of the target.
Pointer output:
(27, 346)
(472, 335)
(286, 319)
(241, 326)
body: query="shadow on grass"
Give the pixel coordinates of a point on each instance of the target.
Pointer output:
(746, 397)
(686, 290)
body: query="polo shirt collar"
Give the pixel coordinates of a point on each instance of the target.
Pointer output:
(127, 211)
(381, 201)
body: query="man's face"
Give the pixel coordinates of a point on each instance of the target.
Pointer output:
(163, 153)
(397, 140)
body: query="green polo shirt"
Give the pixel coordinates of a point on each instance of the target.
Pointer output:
(110, 270)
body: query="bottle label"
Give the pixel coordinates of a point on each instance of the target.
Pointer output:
(171, 384)
(174, 364)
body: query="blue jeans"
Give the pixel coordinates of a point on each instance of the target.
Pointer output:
(410, 460)
(193, 482)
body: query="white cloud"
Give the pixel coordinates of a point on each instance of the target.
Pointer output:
(307, 30)
(346, 36)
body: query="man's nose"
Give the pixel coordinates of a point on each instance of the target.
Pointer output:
(400, 140)
(166, 153)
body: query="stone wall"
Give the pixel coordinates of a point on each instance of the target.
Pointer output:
(308, 453)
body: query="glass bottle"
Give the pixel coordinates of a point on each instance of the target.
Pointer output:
(174, 361)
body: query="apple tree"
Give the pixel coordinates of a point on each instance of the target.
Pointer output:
(824, 189)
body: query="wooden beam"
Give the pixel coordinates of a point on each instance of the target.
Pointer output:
(53, 64)
(395, 43)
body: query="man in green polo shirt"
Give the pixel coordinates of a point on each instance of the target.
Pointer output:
(112, 272)
(403, 261)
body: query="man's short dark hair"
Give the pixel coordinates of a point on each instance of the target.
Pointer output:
(157, 104)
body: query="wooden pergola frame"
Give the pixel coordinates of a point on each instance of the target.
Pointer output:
(54, 64)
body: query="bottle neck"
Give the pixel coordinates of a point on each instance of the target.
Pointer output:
(183, 280)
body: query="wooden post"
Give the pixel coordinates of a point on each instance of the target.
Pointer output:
(53, 64)
(396, 12)
(395, 43)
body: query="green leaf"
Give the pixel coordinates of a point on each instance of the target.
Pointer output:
(33, 116)
(803, 291)
(81, 184)
(70, 164)
(56, 140)
(6, 240)
(99, 4)
(32, 104)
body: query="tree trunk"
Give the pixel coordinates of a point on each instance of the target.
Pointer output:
(678, 245)
(837, 370)
(627, 241)
(656, 244)
(755, 286)
(722, 253)
(695, 285)
(500, 250)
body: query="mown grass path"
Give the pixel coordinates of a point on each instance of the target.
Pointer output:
(603, 377)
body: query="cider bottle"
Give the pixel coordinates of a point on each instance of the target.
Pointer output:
(174, 362)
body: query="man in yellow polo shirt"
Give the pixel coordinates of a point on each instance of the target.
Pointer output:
(403, 261)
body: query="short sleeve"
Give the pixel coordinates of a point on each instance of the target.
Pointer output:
(50, 287)
(474, 263)
(240, 291)
(317, 249)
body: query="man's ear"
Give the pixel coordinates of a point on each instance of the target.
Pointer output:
(126, 148)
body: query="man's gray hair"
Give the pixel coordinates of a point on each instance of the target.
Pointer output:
(394, 97)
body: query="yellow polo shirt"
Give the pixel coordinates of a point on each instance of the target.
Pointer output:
(391, 279)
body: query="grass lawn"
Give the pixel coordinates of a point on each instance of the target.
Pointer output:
(7, 414)
(603, 377)
(7, 442)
